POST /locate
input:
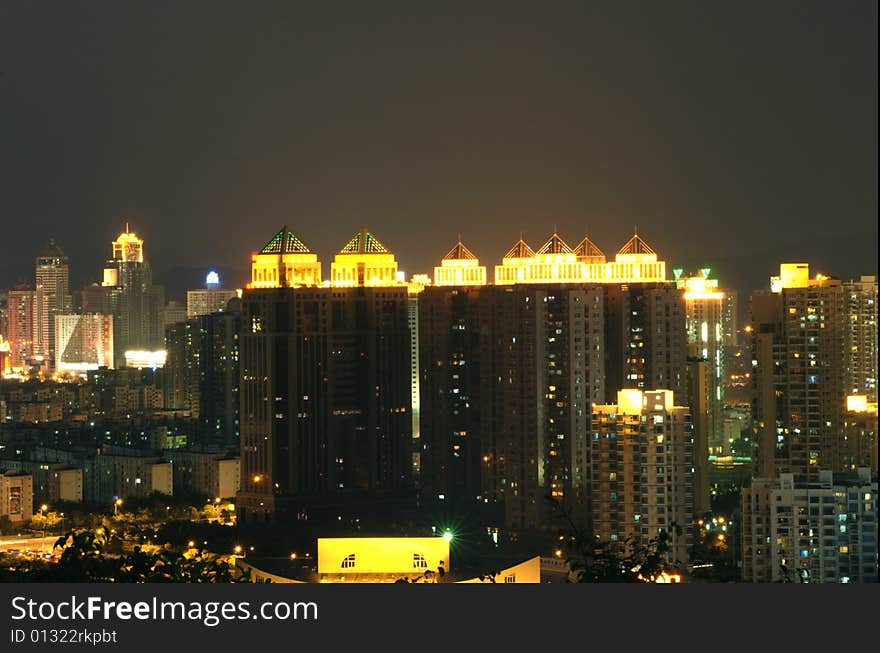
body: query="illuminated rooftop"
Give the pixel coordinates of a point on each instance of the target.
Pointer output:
(555, 245)
(284, 261)
(285, 242)
(363, 242)
(556, 262)
(520, 250)
(128, 247)
(697, 285)
(364, 261)
(460, 267)
(588, 252)
(459, 253)
(636, 246)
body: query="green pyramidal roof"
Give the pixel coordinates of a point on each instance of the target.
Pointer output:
(363, 242)
(285, 242)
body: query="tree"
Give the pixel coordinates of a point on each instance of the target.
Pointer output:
(593, 560)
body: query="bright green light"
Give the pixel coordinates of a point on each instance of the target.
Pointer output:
(447, 535)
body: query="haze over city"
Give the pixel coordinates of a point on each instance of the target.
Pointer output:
(731, 138)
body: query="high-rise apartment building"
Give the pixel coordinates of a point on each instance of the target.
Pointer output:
(52, 273)
(325, 390)
(508, 376)
(859, 445)
(860, 342)
(28, 326)
(646, 338)
(213, 298)
(797, 332)
(642, 470)
(83, 342)
(822, 531)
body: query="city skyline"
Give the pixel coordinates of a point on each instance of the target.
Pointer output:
(414, 123)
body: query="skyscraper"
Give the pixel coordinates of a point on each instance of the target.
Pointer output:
(704, 309)
(508, 375)
(52, 273)
(860, 345)
(642, 469)
(813, 531)
(127, 292)
(325, 391)
(797, 331)
(28, 325)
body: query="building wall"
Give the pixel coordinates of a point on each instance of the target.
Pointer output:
(325, 394)
(16, 496)
(381, 555)
(798, 377)
(642, 471)
(823, 531)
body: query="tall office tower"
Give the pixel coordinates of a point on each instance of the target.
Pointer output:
(325, 390)
(213, 298)
(646, 338)
(137, 305)
(860, 301)
(52, 272)
(28, 315)
(83, 342)
(705, 307)
(174, 312)
(642, 469)
(797, 337)
(859, 433)
(822, 531)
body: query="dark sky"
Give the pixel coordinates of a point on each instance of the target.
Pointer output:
(735, 134)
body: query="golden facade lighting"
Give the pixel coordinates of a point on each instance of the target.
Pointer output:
(698, 286)
(460, 268)
(556, 262)
(128, 247)
(364, 261)
(284, 261)
(860, 404)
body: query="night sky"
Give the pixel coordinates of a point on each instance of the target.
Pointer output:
(734, 134)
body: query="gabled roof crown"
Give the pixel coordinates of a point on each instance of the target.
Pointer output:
(520, 250)
(555, 245)
(285, 242)
(363, 242)
(587, 248)
(636, 245)
(459, 252)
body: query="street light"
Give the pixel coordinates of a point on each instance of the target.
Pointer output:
(116, 505)
(43, 509)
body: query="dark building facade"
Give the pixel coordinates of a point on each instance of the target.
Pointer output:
(325, 396)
